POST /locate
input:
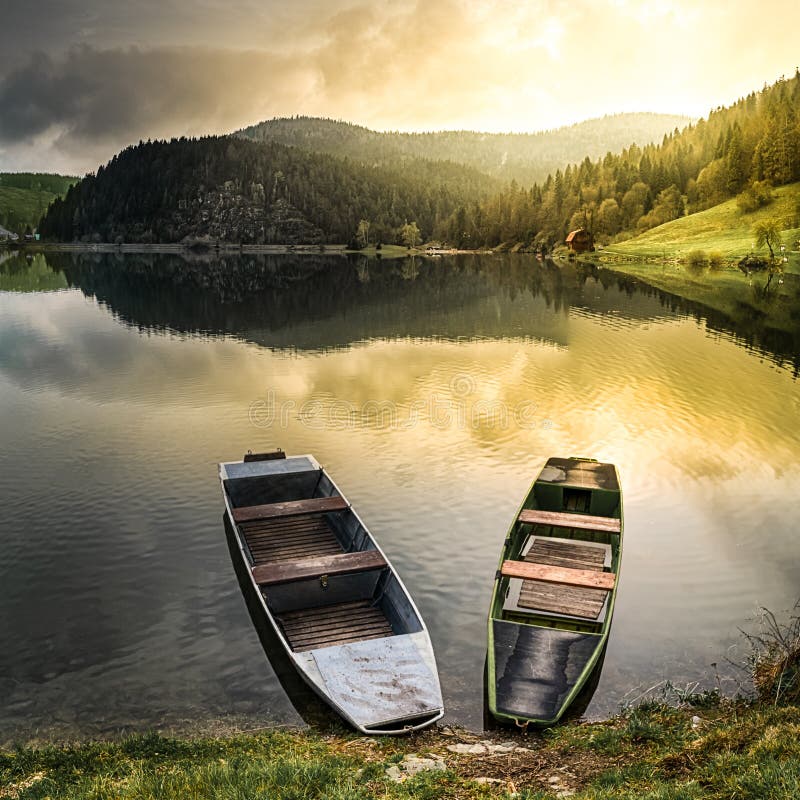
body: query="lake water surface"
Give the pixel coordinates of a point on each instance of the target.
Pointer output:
(433, 391)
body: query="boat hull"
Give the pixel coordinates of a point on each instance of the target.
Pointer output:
(554, 594)
(385, 686)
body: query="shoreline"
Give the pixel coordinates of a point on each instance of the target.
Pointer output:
(224, 249)
(387, 251)
(703, 747)
(725, 290)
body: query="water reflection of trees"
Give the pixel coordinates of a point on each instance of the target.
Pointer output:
(270, 298)
(259, 297)
(749, 328)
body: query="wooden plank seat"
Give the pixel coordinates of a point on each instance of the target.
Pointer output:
(291, 508)
(580, 474)
(558, 519)
(573, 601)
(590, 579)
(306, 568)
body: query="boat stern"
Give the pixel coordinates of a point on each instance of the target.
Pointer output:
(381, 686)
(577, 485)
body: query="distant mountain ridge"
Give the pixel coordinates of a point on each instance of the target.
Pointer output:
(370, 191)
(524, 157)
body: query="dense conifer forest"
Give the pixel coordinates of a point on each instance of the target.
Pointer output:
(242, 191)
(237, 189)
(741, 150)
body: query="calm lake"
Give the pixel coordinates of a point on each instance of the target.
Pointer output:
(432, 390)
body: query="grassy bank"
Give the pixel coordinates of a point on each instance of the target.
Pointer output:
(661, 257)
(695, 746)
(659, 752)
(723, 229)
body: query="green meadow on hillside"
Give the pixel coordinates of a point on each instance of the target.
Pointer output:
(662, 258)
(24, 197)
(724, 229)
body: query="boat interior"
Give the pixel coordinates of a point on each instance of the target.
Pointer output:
(317, 567)
(562, 556)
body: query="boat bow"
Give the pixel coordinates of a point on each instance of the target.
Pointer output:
(537, 668)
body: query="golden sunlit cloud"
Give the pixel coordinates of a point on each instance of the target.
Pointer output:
(441, 64)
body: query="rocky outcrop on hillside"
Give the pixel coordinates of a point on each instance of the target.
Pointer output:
(229, 214)
(221, 214)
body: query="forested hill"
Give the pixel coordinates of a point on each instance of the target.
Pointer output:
(524, 157)
(235, 190)
(739, 151)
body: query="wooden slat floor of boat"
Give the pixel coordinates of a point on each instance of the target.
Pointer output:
(326, 626)
(272, 541)
(560, 553)
(575, 601)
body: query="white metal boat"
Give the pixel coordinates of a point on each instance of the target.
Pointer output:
(329, 592)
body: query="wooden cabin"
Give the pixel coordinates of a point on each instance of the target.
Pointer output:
(580, 241)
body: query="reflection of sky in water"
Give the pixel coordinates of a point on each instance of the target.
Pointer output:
(117, 591)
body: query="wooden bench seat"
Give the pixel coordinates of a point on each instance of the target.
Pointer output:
(291, 508)
(307, 568)
(590, 579)
(558, 519)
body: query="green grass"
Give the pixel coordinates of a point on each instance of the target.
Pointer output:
(723, 228)
(729, 750)
(662, 258)
(25, 197)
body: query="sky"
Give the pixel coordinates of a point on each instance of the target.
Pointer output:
(81, 79)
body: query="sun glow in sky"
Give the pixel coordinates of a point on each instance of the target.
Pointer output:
(80, 80)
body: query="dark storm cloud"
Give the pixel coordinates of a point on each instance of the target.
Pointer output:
(36, 97)
(89, 102)
(81, 80)
(55, 25)
(92, 96)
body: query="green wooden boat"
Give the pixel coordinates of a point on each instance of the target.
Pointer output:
(554, 591)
